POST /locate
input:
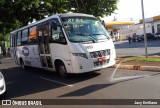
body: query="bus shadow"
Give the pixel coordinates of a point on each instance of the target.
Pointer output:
(87, 90)
(95, 87)
(21, 83)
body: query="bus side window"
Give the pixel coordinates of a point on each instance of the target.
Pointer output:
(25, 36)
(14, 39)
(57, 34)
(19, 38)
(33, 35)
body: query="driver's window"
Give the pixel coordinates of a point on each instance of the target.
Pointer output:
(57, 34)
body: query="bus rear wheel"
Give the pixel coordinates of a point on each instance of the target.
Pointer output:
(22, 64)
(62, 70)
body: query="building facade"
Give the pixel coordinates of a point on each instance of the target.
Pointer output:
(155, 23)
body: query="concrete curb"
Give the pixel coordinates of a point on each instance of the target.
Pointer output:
(136, 67)
(7, 58)
(150, 68)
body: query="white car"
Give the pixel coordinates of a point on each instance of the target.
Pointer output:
(2, 85)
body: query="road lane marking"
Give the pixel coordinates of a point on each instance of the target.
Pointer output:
(112, 79)
(130, 77)
(56, 82)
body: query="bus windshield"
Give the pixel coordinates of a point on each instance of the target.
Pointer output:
(83, 29)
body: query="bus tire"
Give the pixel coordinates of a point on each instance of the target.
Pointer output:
(22, 64)
(61, 69)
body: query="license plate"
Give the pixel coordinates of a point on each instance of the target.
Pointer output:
(102, 59)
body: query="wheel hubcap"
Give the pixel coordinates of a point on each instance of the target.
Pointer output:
(62, 70)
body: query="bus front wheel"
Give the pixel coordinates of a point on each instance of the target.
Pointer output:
(62, 69)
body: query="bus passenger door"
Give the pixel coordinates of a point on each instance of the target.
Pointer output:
(43, 39)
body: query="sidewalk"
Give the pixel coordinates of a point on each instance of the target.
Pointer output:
(5, 57)
(123, 62)
(2, 58)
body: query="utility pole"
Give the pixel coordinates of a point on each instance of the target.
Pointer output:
(144, 30)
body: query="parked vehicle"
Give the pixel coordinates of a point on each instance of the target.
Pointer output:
(2, 85)
(149, 36)
(113, 38)
(157, 35)
(138, 38)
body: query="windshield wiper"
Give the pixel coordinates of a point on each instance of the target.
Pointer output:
(81, 34)
(101, 34)
(94, 40)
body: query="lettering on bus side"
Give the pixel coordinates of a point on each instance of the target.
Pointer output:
(25, 51)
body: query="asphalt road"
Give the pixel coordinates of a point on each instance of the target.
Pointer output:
(40, 84)
(123, 48)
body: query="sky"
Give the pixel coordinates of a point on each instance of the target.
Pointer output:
(131, 9)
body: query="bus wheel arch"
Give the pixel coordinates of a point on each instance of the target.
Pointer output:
(60, 68)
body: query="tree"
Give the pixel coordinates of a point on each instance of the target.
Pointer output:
(24, 11)
(17, 13)
(27, 10)
(8, 22)
(98, 8)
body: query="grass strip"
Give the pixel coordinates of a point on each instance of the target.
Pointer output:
(144, 59)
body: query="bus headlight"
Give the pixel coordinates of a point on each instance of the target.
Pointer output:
(80, 55)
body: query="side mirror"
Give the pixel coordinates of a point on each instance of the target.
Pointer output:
(54, 26)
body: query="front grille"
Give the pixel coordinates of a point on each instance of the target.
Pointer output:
(100, 63)
(100, 54)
